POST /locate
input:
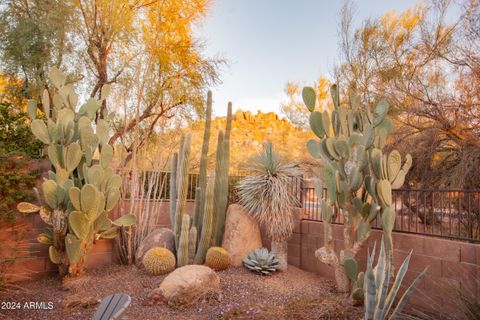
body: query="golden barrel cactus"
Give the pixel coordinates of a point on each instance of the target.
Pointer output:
(217, 258)
(158, 261)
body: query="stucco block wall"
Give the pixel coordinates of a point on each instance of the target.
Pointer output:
(449, 262)
(36, 263)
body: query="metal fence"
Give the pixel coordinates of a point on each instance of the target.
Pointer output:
(453, 214)
(193, 181)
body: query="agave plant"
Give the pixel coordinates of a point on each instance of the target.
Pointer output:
(378, 299)
(262, 261)
(267, 196)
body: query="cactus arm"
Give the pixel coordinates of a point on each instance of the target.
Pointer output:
(207, 229)
(192, 244)
(222, 182)
(216, 193)
(202, 183)
(182, 186)
(173, 189)
(182, 250)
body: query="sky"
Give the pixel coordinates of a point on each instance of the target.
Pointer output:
(270, 42)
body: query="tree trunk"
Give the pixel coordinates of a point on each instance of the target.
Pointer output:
(341, 279)
(281, 251)
(328, 256)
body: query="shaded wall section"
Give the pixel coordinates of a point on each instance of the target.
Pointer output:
(36, 263)
(449, 262)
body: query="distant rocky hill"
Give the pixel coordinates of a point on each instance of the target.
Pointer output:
(249, 131)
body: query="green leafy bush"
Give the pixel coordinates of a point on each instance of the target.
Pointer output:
(15, 134)
(16, 183)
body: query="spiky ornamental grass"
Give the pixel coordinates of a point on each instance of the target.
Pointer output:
(267, 193)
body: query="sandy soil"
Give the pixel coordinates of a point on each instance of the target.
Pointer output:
(294, 294)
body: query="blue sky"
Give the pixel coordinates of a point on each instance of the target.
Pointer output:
(269, 42)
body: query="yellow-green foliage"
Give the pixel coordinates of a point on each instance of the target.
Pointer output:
(159, 260)
(217, 258)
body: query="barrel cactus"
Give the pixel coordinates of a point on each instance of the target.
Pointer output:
(78, 194)
(262, 261)
(159, 261)
(358, 176)
(217, 258)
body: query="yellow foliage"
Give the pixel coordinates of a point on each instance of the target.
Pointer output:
(396, 28)
(10, 88)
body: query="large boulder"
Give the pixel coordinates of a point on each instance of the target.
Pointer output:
(162, 237)
(241, 235)
(185, 286)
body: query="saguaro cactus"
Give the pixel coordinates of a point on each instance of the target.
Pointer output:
(359, 178)
(76, 198)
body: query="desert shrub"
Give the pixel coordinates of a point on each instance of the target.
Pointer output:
(15, 134)
(299, 308)
(16, 183)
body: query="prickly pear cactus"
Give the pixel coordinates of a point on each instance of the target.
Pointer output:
(79, 193)
(358, 176)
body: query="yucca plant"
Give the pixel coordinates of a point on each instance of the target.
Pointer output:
(267, 196)
(378, 299)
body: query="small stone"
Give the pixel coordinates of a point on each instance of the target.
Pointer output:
(162, 237)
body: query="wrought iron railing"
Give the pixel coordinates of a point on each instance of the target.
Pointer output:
(451, 213)
(163, 192)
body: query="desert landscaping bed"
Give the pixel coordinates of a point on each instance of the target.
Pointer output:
(294, 294)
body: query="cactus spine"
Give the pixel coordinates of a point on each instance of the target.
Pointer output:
(77, 197)
(357, 175)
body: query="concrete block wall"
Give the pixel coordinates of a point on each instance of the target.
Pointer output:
(35, 262)
(449, 262)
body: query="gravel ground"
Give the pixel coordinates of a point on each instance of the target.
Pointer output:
(294, 294)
